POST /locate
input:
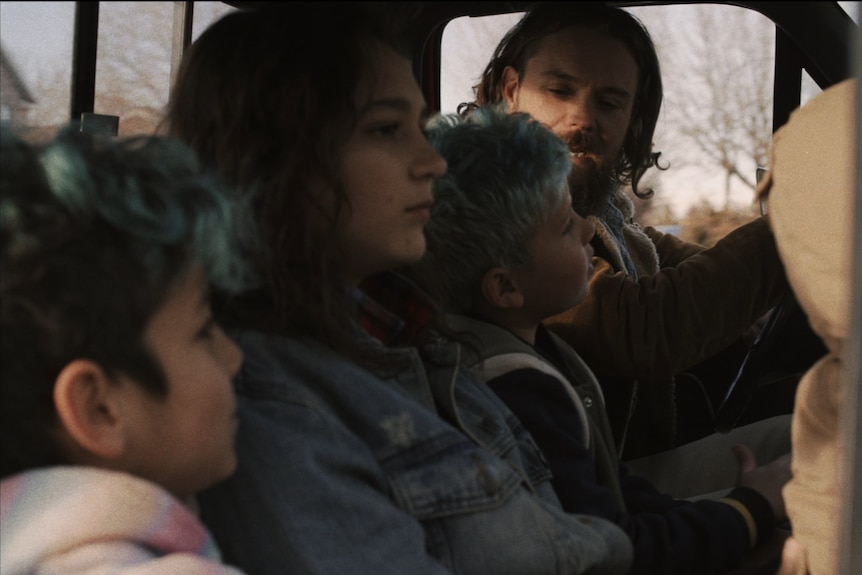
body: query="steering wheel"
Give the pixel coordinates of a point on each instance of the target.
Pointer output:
(786, 346)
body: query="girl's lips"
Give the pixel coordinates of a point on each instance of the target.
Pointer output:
(420, 208)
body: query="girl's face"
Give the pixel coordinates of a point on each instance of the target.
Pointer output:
(387, 171)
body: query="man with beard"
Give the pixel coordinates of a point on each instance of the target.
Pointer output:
(657, 305)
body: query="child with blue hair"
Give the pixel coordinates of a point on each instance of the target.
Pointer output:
(507, 251)
(115, 394)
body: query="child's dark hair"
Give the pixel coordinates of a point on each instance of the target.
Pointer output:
(94, 233)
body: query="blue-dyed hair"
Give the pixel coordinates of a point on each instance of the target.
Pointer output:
(94, 234)
(507, 174)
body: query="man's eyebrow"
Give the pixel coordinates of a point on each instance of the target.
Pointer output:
(556, 74)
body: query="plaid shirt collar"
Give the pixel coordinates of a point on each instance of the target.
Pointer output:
(392, 308)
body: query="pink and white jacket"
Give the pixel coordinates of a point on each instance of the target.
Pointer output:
(76, 520)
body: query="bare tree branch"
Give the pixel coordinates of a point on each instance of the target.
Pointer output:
(718, 107)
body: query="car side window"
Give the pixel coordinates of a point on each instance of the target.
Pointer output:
(716, 121)
(134, 54)
(133, 79)
(35, 59)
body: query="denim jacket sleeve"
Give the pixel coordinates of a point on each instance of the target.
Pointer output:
(669, 536)
(341, 472)
(302, 505)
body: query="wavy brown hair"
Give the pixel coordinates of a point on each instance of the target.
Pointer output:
(266, 97)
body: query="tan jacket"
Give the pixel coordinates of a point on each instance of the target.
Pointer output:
(810, 193)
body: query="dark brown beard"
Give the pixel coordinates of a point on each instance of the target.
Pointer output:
(590, 186)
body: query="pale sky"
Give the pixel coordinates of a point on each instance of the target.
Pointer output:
(37, 36)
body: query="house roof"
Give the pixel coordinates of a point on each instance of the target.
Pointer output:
(11, 74)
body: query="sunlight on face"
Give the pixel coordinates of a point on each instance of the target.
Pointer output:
(562, 263)
(387, 170)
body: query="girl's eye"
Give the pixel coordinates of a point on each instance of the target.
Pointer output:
(385, 129)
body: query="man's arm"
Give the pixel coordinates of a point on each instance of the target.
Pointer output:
(672, 251)
(660, 325)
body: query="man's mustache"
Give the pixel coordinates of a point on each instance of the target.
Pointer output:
(579, 143)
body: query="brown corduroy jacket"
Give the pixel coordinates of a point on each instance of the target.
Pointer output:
(688, 303)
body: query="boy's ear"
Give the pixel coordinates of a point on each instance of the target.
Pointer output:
(87, 405)
(509, 86)
(500, 289)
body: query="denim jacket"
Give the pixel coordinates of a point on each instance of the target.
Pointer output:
(342, 471)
